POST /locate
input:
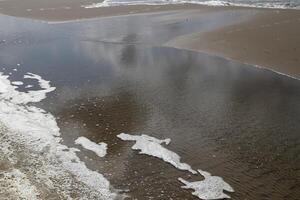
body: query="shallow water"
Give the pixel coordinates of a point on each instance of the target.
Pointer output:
(231, 119)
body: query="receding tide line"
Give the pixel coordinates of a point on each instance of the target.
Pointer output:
(212, 187)
(247, 64)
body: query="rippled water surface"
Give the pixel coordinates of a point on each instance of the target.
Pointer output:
(231, 119)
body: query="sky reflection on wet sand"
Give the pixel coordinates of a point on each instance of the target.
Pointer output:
(233, 120)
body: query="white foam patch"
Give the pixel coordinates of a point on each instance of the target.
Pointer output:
(17, 83)
(212, 187)
(36, 129)
(28, 86)
(152, 146)
(99, 149)
(9, 92)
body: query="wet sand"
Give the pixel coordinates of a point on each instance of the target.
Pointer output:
(270, 39)
(112, 75)
(231, 119)
(72, 10)
(264, 37)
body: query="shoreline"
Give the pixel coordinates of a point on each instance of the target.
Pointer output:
(244, 41)
(75, 11)
(267, 68)
(268, 40)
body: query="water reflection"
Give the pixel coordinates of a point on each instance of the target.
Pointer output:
(236, 121)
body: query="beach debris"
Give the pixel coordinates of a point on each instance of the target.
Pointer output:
(212, 187)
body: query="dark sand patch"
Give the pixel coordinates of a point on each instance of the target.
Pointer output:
(271, 40)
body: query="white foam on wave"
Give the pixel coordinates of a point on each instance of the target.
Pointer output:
(108, 3)
(152, 146)
(36, 129)
(99, 149)
(212, 187)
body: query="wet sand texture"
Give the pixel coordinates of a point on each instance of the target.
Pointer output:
(270, 39)
(233, 120)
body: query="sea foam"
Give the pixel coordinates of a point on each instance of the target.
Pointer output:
(152, 146)
(36, 131)
(259, 4)
(212, 187)
(99, 149)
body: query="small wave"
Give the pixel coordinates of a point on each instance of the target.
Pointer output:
(257, 4)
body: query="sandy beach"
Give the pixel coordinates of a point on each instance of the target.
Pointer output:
(270, 40)
(144, 102)
(263, 37)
